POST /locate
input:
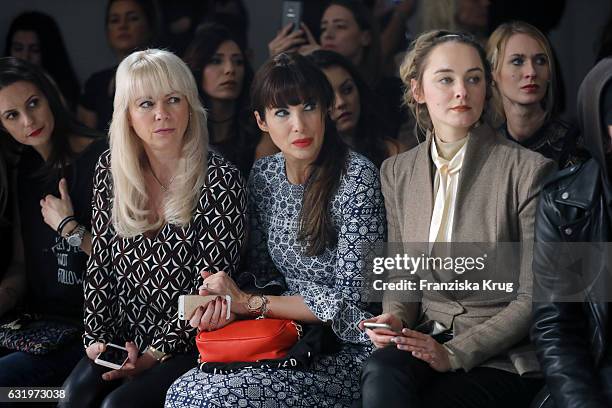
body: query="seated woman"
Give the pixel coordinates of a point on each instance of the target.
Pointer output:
(358, 119)
(51, 215)
(219, 64)
(524, 93)
(312, 207)
(35, 37)
(441, 191)
(164, 209)
(574, 338)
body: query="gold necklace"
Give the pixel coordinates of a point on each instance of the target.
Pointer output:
(164, 188)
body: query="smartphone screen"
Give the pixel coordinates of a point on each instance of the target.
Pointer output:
(113, 355)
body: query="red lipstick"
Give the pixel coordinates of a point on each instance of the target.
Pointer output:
(302, 143)
(36, 132)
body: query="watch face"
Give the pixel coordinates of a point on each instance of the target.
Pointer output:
(255, 302)
(74, 240)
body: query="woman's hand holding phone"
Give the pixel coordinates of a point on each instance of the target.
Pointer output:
(286, 40)
(381, 337)
(212, 316)
(134, 366)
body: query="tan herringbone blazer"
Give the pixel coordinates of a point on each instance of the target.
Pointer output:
(496, 202)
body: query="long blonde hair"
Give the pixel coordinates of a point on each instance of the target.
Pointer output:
(154, 72)
(496, 47)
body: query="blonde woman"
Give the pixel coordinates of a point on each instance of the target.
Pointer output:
(165, 208)
(523, 68)
(465, 183)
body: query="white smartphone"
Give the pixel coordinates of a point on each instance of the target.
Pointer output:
(113, 357)
(371, 325)
(189, 303)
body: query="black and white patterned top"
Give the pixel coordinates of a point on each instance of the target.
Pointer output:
(331, 283)
(132, 285)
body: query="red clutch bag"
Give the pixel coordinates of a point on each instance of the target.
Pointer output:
(248, 341)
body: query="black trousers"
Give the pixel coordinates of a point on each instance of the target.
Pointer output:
(394, 378)
(86, 388)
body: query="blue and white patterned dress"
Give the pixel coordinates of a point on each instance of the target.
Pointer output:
(330, 284)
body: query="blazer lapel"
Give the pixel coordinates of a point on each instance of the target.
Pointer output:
(477, 153)
(420, 205)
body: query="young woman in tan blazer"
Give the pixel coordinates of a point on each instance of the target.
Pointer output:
(466, 183)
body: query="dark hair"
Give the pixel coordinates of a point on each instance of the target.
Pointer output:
(236, 21)
(14, 70)
(371, 63)
(373, 127)
(415, 60)
(151, 11)
(54, 56)
(241, 147)
(292, 79)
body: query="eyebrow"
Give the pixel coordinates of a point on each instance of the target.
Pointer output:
(335, 20)
(235, 54)
(539, 54)
(444, 70)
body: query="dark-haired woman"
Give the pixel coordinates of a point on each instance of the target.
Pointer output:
(311, 207)
(52, 222)
(130, 25)
(358, 118)
(35, 37)
(224, 74)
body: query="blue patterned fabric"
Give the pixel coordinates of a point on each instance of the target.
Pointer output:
(330, 284)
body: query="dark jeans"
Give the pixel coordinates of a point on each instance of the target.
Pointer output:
(86, 388)
(394, 378)
(28, 370)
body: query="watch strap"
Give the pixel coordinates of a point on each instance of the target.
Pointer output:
(155, 353)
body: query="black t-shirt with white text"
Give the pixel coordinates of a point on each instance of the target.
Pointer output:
(54, 269)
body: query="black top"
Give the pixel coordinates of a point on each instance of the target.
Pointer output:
(556, 140)
(98, 97)
(54, 270)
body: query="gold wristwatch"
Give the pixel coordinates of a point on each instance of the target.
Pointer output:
(257, 305)
(157, 354)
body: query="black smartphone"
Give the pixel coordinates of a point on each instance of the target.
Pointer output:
(292, 13)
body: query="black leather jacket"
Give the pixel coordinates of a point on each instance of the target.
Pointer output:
(571, 337)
